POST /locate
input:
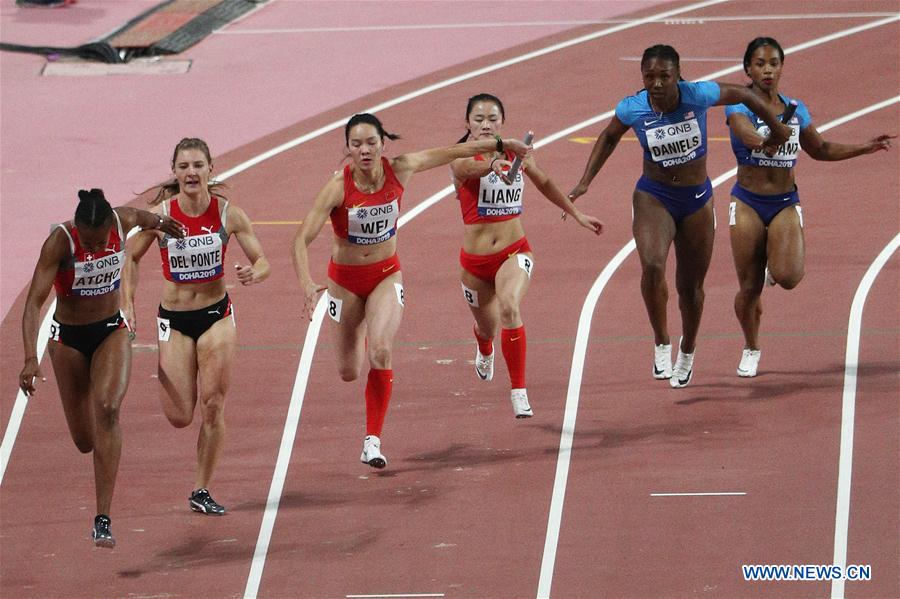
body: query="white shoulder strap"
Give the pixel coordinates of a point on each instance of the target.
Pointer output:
(69, 235)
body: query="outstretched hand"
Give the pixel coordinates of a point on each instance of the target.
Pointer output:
(171, 227)
(589, 222)
(311, 298)
(882, 142)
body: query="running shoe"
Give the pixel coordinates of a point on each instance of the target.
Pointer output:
(684, 368)
(484, 365)
(521, 407)
(201, 501)
(749, 363)
(101, 533)
(662, 361)
(371, 453)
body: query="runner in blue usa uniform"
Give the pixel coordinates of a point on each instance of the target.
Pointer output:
(673, 198)
(764, 216)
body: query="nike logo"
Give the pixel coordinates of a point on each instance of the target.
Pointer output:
(700, 195)
(516, 338)
(785, 199)
(656, 370)
(759, 120)
(387, 268)
(650, 122)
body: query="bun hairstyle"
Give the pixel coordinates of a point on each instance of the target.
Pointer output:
(481, 98)
(367, 119)
(93, 210)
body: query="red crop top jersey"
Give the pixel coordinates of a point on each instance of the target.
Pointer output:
(86, 274)
(488, 199)
(200, 255)
(368, 218)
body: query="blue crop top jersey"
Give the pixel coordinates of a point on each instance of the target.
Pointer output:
(787, 154)
(676, 137)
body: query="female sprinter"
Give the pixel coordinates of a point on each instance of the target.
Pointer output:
(365, 288)
(89, 349)
(195, 325)
(673, 199)
(495, 257)
(763, 230)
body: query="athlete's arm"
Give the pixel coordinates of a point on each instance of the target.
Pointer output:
(330, 197)
(135, 217)
(813, 144)
(603, 149)
(136, 247)
(407, 164)
(730, 93)
(52, 253)
(242, 228)
(550, 191)
(744, 130)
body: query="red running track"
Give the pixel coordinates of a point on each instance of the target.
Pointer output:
(462, 509)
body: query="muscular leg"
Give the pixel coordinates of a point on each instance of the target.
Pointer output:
(693, 252)
(785, 248)
(487, 313)
(349, 333)
(653, 229)
(748, 248)
(73, 379)
(215, 355)
(511, 284)
(383, 315)
(110, 373)
(178, 378)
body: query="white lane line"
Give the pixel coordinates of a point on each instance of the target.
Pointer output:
(508, 24)
(584, 324)
(459, 78)
(848, 414)
(722, 494)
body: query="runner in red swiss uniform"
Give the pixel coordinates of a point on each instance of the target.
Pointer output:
(89, 345)
(365, 288)
(496, 259)
(195, 323)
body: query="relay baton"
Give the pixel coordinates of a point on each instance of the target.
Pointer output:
(789, 111)
(517, 163)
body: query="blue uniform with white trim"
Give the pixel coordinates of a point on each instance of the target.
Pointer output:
(672, 139)
(768, 206)
(786, 156)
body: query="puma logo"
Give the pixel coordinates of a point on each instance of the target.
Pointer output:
(216, 311)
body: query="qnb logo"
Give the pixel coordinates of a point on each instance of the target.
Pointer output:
(660, 134)
(88, 267)
(180, 244)
(493, 178)
(361, 213)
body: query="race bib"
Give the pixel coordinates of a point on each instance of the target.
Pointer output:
(786, 156)
(674, 144)
(496, 198)
(368, 225)
(98, 276)
(195, 258)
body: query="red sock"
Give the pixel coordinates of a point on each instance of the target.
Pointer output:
(378, 394)
(485, 346)
(512, 342)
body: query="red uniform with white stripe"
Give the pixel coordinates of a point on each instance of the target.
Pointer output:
(200, 256)
(87, 274)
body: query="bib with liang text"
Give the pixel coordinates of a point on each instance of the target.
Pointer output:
(496, 198)
(678, 140)
(195, 258)
(368, 225)
(98, 276)
(788, 152)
